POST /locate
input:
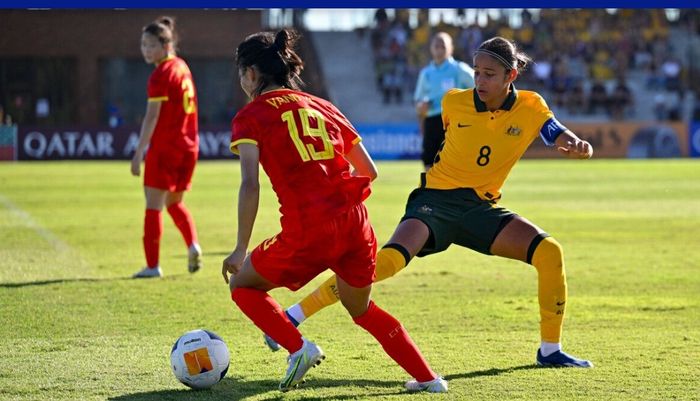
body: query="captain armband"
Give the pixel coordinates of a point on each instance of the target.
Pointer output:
(551, 130)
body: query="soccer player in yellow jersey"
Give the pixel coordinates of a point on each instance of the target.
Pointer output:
(488, 129)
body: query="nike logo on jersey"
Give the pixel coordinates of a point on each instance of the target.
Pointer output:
(460, 125)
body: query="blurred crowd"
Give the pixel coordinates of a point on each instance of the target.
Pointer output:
(586, 61)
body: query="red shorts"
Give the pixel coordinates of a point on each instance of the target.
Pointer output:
(344, 243)
(169, 171)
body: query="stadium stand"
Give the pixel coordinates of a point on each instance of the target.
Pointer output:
(591, 64)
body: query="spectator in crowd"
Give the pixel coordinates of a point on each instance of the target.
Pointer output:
(671, 70)
(542, 71)
(393, 63)
(469, 40)
(598, 97)
(675, 105)
(620, 100)
(561, 83)
(660, 106)
(576, 100)
(442, 74)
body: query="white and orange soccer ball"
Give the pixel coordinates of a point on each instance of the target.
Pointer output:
(199, 359)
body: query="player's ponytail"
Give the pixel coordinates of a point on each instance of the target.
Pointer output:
(274, 57)
(163, 28)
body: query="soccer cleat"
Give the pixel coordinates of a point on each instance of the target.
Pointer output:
(194, 255)
(310, 355)
(148, 272)
(272, 344)
(560, 359)
(437, 385)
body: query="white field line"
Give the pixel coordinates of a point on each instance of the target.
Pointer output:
(29, 222)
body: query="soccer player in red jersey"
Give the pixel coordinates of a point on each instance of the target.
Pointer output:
(321, 174)
(170, 132)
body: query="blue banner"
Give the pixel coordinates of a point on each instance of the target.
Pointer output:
(391, 141)
(694, 139)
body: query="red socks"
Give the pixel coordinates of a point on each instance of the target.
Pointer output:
(152, 230)
(184, 222)
(395, 341)
(268, 315)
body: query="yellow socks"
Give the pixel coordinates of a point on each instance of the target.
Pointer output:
(390, 260)
(547, 256)
(325, 295)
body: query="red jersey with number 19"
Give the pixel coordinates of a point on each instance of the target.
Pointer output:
(171, 83)
(302, 140)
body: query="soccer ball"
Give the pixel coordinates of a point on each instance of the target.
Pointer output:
(199, 359)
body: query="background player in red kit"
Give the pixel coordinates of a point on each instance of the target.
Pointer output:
(169, 130)
(306, 147)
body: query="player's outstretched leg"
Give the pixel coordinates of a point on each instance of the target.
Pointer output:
(548, 258)
(390, 260)
(388, 331)
(266, 313)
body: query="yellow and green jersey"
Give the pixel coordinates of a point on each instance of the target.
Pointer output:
(481, 146)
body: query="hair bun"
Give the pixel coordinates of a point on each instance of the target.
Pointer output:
(281, 41)
(167, 21)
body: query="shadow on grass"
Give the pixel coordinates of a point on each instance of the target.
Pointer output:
(59, 281)
(219, 253)
(237, 389)
(172, 276)
(490, 372)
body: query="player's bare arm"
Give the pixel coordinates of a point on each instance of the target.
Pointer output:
(248, 197)
(147, 127)
(573, 147)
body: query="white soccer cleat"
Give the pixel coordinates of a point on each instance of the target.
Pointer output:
(437, 385)
(148, 272)
(194, 256)
(309, 356)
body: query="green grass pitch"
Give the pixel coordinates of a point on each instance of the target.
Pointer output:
(74, 326)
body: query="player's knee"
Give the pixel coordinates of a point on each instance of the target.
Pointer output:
(353, 307)
(546, 252)
(174, 207)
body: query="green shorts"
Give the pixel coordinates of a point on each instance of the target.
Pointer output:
(456, 216)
